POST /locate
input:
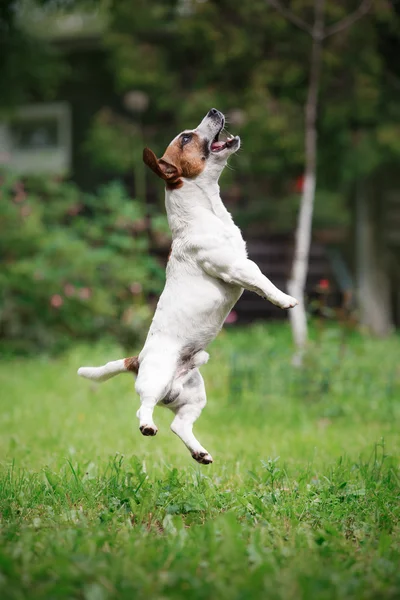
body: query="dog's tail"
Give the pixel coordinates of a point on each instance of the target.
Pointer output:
(115, 367)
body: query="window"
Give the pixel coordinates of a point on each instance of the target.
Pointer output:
(37, 138)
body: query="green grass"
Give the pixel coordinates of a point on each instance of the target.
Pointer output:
(302, 501)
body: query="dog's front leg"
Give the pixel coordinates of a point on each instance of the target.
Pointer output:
(246, 274)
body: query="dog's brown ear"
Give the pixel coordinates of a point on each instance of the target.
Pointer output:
(162, 168)
(150, 159)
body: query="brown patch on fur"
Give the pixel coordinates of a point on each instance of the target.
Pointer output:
(179, 160)
(174, 185)
(189, 158)
(163, 169)
(132, 364)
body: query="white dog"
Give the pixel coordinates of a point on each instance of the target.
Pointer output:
(206, 273)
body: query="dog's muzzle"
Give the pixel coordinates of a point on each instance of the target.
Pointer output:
(210, 129)
(216, 115)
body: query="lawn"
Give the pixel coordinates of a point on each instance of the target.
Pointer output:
(302, 501)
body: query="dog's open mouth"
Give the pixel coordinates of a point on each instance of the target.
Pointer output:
(217, 145)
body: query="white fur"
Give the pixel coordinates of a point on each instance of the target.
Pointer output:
(105, 372)
(206, 274)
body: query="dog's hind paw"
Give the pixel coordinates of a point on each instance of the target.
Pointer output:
(202, 457)
(148, 430)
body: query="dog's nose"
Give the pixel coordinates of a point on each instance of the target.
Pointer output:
(214, 113)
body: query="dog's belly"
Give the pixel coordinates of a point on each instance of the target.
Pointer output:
(192, 309)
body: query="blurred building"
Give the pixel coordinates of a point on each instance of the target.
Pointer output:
(48, 137)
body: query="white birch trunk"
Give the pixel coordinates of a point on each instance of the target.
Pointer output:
(297, 283)
(298, 278)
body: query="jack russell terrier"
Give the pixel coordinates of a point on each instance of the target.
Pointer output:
(207, 271)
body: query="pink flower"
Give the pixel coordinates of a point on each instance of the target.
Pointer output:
(19, 197)
(136, 288)
(20, 193)
(69, 289)
(139, 225)
(74, 209)
(19, 186)
(56, 301)
(323, 284)
(232, 317)
(85, 293)
(299, 184)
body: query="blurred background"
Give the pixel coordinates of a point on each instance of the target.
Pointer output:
(84, 86)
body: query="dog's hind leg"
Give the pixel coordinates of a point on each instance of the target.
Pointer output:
(191, 402)
(154, 383)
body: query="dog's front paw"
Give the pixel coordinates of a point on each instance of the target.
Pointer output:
(148, 430)
(286, 301)
(202, 457)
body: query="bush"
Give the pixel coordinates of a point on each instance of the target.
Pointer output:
(75, 266)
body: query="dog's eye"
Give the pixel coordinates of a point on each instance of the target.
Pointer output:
(186, 138)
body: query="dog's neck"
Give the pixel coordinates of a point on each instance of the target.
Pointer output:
(183, 204)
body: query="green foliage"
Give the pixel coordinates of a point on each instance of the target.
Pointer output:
(75, 266)
(29, 67)
(244, 58)
(114, 143)
(247, 60)
(189, 60)
(300, 503)
(280, 214)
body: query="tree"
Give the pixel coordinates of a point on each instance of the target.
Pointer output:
(188, 56)
(318, 32)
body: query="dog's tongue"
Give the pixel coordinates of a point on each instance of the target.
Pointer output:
(217, 145)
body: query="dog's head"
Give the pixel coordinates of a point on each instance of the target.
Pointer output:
(194, 152)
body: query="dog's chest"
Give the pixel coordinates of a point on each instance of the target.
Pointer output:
(216, 237)
(234, 236)
(228, 236)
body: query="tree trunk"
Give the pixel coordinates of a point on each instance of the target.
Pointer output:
(373, 281)
(297, 282)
